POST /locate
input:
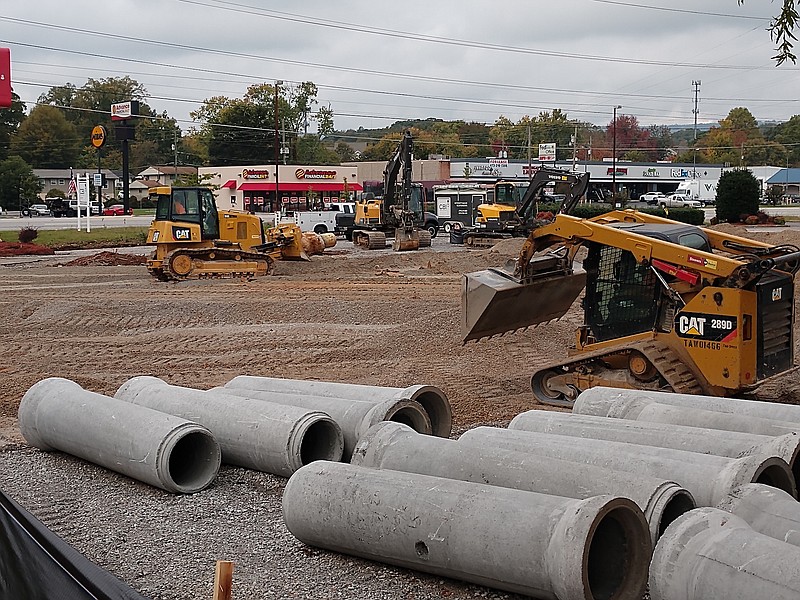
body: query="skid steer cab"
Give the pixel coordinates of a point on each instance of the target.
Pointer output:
(194, 240)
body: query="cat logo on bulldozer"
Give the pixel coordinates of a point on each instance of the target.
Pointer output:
(181, 233)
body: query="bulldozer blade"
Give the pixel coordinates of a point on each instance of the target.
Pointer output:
(494, 302)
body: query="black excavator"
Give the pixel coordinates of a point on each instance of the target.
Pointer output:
(400, 213)
(499, 221)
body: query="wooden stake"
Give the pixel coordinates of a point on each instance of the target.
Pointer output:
(223, 580)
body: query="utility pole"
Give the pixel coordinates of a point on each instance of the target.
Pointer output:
(530, 168)
(696, 85)
(277, 206)
(574, 148)
(614, 152)
(175, 148)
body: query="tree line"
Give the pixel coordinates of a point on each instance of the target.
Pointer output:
(55, 133)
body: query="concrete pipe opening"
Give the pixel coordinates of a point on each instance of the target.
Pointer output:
(190, 459)
(436, 404)
(618, 555)
(681, 502)
(316, 437)
(776, 473)
(411, 414)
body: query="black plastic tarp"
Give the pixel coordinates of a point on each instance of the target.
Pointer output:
(36, 564)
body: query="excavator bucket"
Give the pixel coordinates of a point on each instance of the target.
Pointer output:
(405, 239)
(290, 239)
(494, 301)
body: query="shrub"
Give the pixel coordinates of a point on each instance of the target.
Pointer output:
(544, 215)
(751, 220)
(737, 195)
(587, 211)
(28, 234)
(779, 220)
(690, 216)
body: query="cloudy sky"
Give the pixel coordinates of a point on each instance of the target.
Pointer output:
(376, 62)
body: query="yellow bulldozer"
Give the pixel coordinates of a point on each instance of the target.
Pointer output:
(667, 306)
(194, 240)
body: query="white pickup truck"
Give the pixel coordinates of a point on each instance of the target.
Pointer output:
(319, 221)
(679, 200)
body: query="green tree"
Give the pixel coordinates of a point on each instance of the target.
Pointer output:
(46, 140)
(19, 186)
(242, 130)
(546, 127)
(737, 195)
(788, 135)
(10, 120)
(90, 105)
(311, 151)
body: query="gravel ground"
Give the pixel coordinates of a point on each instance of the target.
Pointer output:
(379, 318)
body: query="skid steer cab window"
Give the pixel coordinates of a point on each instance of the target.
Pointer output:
(621, 295)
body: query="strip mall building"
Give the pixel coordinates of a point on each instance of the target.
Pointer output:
(299, 187)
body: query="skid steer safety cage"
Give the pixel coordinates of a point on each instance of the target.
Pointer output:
(620, 294)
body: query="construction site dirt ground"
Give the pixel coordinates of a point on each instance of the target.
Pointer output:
(371, 317)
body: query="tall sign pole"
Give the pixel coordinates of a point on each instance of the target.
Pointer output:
(98, 140)
(122, 113)
(277, 206)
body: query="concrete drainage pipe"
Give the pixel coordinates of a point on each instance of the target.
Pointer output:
(732, 444)
(709, 554)
(354, 417)
(542, 546)
(164, 451)
(660, 407)
(258, 435)
(709, 478)
(396, 447)
(432, 399)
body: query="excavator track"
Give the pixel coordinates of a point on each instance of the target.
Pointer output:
(214, 263)
(649, 365)
(371, 240)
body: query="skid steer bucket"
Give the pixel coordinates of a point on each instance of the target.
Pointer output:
(494, 301)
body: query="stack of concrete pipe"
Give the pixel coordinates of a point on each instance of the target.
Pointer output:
(748, 546)
(356, 408)
(165, 451)
(540, 545)
(263, 436)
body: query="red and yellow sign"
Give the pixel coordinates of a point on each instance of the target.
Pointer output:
(314, 174)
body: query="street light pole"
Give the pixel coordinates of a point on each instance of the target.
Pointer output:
(277, 150)
(614, 152)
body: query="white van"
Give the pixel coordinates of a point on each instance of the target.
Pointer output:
(319, 221)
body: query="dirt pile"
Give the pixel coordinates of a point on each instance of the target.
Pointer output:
(20, 249)
(107, 259)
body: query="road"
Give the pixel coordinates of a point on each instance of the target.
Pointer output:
(15, 223)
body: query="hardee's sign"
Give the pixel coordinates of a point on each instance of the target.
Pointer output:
(314, 174)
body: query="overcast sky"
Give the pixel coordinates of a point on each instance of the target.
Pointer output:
(377, 62)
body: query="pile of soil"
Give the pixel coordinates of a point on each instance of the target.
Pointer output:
(107, 259)
(20, 249)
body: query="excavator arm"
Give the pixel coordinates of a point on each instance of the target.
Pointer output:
(576, 188)
(396, 207)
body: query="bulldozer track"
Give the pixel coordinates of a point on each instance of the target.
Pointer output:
(182, 265)
(668, 365)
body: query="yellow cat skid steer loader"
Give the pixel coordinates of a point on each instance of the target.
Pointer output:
(194, 240)
(667, 306)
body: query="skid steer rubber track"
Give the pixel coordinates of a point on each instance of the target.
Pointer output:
(649, 365)
(215, 263)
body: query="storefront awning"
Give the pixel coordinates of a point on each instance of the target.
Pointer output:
(300, 187)
(230, 184)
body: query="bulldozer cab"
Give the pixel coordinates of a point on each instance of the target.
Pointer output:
(189, 205)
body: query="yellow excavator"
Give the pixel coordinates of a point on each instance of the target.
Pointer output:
(514, 211)
(667, 306)
(194, 240)
(400, 213)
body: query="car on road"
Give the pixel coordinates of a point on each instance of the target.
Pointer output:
(116, 210)
(652, 198)
(36, 210)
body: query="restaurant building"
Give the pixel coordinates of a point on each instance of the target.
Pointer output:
(255, 188)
